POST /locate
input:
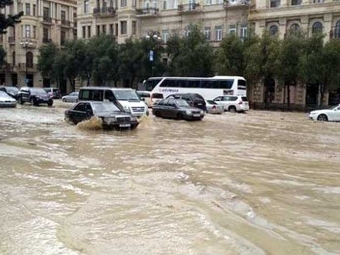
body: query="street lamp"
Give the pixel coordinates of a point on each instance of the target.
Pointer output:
(153, 35)
(26, 44)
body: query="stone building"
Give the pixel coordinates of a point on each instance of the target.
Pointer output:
(282, 16)
(43, 22)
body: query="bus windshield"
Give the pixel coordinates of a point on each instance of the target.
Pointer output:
(150, 84)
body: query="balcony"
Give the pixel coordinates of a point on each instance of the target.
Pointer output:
(47, 40)
(147, 12)
(30, 68)
(228, 4)
(189, 8)
(11, 39)
(104, 11)
(65, 23)
(47, 20)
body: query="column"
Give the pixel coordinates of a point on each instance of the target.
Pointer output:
(282, 27)
(305, 24)
(328, 18)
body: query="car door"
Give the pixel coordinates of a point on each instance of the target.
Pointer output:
(25, 94)
(165, 108)
(81, 112)
(172, 108)
(336, 114)
(218, 100)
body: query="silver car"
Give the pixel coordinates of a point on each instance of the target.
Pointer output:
(6, 100)
(72, 97)
(213, 107)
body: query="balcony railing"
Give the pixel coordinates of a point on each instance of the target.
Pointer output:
(47, 19)
(235, 3)
(47, 40)
(66, 23)
(191, 7)
(30, 67)
(11, 39)
(104, 11)
(148, 11)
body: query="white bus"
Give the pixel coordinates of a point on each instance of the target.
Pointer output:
(209, 88)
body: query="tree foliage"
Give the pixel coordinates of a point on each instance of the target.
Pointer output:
(10, 20)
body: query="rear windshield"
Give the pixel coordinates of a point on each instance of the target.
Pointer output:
(242, 84)
(157, 95)
(244, 99)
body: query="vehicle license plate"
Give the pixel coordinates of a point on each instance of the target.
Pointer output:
(197, 115)
(125, 125)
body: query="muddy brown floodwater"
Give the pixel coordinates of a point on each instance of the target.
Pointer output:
(255, 183)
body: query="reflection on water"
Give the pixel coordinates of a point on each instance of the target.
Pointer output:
(255, 183)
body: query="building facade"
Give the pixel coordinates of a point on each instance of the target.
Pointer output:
(279, 17)
(43, 22)
(139, 18)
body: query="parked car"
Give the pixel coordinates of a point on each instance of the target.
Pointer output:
(10, 90)
(35, 96)
(177, 109)
(6, 100)
(213, 107)
(110, 114)
(193, 99)
(72, 97)
(233, 103)
(332, 114)
(54, 92)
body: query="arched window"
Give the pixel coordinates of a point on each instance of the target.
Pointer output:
(317, 28)
(273, 30)
(29, 60)
(337, 30)
(295, 29)
(13, 58)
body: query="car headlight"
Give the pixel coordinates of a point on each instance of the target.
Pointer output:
(110, 119)
(202, 112)
(188, 112)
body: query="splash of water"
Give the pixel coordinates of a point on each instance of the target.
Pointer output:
(95, 123)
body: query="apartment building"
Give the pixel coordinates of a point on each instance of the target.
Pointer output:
(280, 17)
(43, 22)
(139, 18)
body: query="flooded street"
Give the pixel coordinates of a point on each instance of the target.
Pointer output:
(255, 183)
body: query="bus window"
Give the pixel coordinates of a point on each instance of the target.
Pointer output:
(193, 83)
(151, 84)
(226, 84)
(216, 84)
(242, 84)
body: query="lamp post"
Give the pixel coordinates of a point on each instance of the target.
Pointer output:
(154, 36)
(26, 44)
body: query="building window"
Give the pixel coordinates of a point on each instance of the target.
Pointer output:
(63, 15)
(62, 37)
(28, 9)
(243, 32)
(275, 3)
(34, 32)
(88, 31)
(134, 3)
(134, 27)
(123, 27)
(317, 28)
(46, 12)
(104, 29)
(273, 30)
(27, 31)
(207, 33)
(86, 6)
(45, 34)
(123, 3)
(294, 29)
(116, 29)
(34, 10)
(165, 35)
(98, 30)
(111, 29)
(84, 32)
(165, 4)
(296, 2)
(208, 2)
(218, 33)
(232, 31)
(337, 30)
(29, 59)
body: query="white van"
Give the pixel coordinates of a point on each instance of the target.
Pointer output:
(125, 98)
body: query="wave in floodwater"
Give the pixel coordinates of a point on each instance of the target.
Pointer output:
(95, 123)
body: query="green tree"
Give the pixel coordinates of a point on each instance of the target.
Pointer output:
(191, 55)
(47, 56)
(10, 20)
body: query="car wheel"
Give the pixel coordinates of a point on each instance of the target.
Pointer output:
(232, 109)
(64, 100)
(33, 101)
(20, 100)
(158, 114)
(322, 117)
(50, 103)
(179, 116)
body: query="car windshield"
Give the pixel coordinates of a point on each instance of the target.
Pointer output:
(12, 90)
(182, 103)
(211, 102)
(4, 94)
(104, 107)
(38, 91)
(126, 95)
